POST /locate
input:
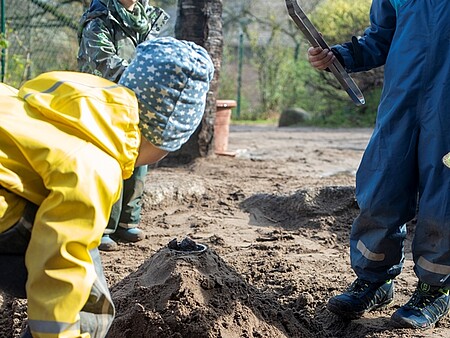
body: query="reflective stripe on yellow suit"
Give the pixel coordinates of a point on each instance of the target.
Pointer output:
(72, 168)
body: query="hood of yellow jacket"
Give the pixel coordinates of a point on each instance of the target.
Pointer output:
(92, 108)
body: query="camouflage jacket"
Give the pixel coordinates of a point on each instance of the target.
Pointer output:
(107, 44)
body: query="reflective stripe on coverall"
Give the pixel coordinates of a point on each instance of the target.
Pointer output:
(412, 134)
(67, 141)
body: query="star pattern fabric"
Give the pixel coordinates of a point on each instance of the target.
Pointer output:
(170, 78)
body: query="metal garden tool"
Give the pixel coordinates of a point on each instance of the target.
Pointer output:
(316, 40)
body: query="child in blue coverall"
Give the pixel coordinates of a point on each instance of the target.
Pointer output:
(402, 167)
(67, 140)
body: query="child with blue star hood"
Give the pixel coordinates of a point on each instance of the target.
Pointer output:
(67, 141)
(167, 90)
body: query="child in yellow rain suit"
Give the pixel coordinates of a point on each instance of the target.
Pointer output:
(67, 140)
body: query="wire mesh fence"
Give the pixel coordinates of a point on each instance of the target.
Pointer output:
(39, 36)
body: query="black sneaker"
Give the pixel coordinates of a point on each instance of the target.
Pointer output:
(427, 305)
(361, 296)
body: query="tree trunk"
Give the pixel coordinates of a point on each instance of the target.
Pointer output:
(200, 21)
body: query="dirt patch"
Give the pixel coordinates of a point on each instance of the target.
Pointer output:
(276, 221)
(195, 295)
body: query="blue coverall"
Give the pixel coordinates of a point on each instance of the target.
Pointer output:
(402, 168)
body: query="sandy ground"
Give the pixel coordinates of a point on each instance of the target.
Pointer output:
(275, 223)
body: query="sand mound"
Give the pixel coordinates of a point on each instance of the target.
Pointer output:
(176, 294)
(330, 208)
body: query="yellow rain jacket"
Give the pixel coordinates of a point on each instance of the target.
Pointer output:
(67, 140)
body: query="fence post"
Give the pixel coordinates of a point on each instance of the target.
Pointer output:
(3, 37)
(241, 56)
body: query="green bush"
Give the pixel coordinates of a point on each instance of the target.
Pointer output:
(290, 82)
(340, 19)
(285, 78)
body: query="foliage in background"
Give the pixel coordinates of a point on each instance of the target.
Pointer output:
(340, 19)
(3, 41)
(276, 50)
(283, 80)
(276, 74)
(41, 36)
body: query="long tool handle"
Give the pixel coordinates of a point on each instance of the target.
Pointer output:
(316, 40)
